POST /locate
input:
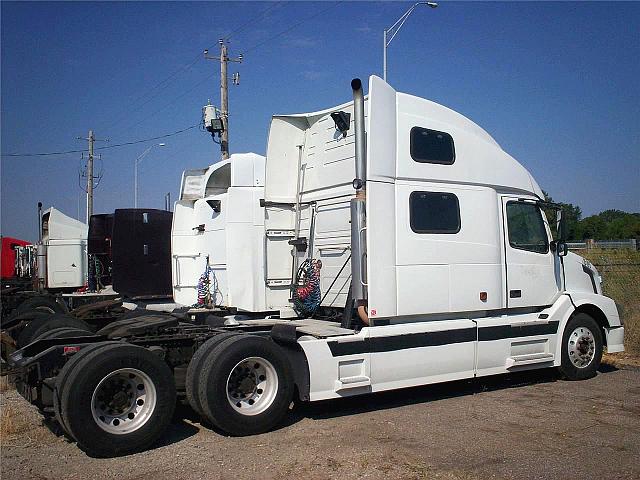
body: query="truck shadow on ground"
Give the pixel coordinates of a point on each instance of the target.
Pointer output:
(379, 401)
(186, 423)
(423, 394)
(178, 429)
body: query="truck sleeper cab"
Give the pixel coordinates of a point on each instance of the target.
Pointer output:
(461, 275)
(218, 219)
(457, 276)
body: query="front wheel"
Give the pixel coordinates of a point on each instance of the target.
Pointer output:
(582, 347)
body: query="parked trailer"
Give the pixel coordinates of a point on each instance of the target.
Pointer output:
(453, 274)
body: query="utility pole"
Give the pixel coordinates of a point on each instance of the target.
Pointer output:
(224, 101)
(91, 139)
(91, 177)
(224, 94)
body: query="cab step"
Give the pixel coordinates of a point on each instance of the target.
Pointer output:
(529, 359)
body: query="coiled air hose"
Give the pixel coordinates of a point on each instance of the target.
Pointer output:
(306, 293)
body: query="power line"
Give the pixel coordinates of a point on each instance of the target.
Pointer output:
(209, 77)
(186, 67)
(164, 84)
(134, 142)
(149, 139)
(43, 154)
(257, 17)
(292, 27)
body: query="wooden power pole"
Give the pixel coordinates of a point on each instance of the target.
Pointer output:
(91, 139)
(224, 94)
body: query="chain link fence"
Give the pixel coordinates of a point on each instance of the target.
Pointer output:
(620, 271)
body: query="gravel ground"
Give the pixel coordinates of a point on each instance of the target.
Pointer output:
(524, 426)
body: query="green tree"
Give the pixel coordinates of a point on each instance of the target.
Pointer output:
(593, 227)
(625, 226)
(572, 214)
(610, 215)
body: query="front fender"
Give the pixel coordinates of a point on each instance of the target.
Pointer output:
(605, 304)
(609, 318)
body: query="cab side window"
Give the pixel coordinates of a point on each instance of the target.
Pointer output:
(431, 146)
(526, 227)
(434, 212)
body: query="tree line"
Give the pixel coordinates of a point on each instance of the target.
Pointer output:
(606, 225)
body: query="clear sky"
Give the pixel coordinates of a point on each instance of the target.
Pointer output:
(556, 84)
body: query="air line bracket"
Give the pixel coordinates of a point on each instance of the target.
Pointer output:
(300, 244)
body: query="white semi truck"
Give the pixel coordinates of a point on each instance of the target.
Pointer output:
(435, 263)
(57, 264)
(218, 224)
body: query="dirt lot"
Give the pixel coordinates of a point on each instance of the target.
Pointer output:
(523, 426)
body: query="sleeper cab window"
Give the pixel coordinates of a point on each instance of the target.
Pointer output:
(434, 212)
(526, 227)
(431, 146)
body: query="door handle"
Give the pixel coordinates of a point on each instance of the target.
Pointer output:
(515, 293)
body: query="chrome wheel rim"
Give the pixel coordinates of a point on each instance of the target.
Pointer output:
(252, 386)
(123, 401)
(581, 347)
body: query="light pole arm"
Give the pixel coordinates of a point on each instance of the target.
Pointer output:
(143, 154)
(395, 28)
(400, 21)
(135, 175)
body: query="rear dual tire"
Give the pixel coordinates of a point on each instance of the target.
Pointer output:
(195, 369)
(245, 385)
(115, 398)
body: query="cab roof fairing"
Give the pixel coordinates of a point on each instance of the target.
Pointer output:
(433, 111)
(63, 227)
(243, 165)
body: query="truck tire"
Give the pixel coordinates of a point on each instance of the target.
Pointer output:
(25, 317)
(582, 347)
(84, 355)
(42, 303)
(245, 385)
(118, 400)
(63, 332)
(195, 367)
(40, 325)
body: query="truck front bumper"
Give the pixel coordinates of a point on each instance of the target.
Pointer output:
(615, 339)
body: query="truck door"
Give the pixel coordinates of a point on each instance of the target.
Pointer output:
(526, 332)
(529, 261)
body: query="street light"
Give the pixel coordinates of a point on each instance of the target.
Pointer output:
(394, 31)
(135, 172)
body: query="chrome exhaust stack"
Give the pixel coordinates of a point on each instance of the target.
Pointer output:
(39, 222)
(41, 255)
(358, 204)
